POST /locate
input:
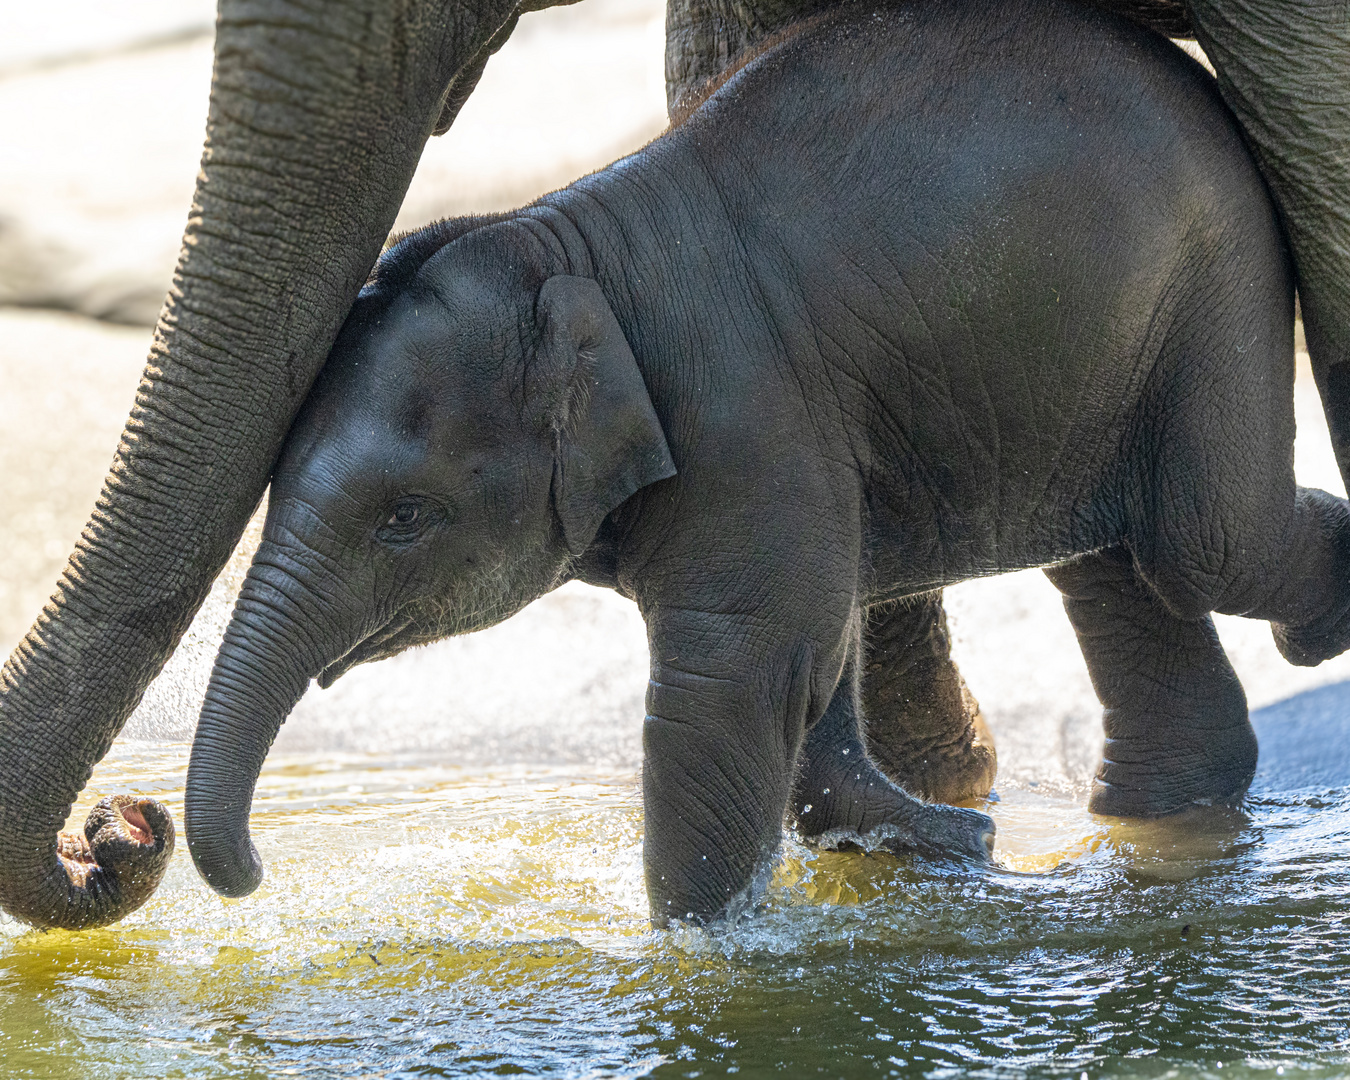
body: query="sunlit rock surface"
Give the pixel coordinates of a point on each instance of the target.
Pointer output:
(102, 117)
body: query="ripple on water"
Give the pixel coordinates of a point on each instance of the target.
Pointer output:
(420, 919)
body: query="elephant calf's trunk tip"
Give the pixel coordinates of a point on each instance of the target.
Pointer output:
(230, 865)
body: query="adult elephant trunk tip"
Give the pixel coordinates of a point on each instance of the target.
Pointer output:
(103, 872)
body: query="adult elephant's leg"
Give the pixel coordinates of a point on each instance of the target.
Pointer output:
(924, 726)
(704, 36)
(1177, 732)
(1284, 69)
(318, 116)
(841, 797)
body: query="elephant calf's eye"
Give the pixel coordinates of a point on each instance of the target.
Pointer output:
(406, 521)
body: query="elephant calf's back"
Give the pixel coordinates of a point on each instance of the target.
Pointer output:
(997, 226)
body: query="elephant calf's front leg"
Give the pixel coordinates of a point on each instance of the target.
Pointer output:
(924, 727)
(725, 714)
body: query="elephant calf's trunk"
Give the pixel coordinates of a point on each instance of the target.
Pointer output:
(264, 666)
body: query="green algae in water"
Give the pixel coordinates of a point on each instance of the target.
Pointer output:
(420, 920)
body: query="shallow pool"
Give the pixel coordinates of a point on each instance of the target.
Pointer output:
(420, 919)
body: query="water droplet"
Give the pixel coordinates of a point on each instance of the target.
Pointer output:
(826, 791)
(806, 809)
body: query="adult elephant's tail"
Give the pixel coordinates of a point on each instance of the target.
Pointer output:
(319, 113)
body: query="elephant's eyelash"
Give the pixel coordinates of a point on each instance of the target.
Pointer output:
(406, 520)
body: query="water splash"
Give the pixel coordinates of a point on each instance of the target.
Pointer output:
(421, 918)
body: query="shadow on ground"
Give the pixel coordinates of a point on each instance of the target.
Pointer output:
(1305, 741)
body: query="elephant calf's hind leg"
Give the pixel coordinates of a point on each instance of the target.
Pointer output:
(841, 797)
(1177, 732)
(924, 727)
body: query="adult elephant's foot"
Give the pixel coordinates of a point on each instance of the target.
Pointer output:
(924, 727)
(120, 855)
(841, 798)
(1175, 716)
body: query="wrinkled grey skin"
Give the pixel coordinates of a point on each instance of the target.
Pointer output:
(318, 116)
(1041, 314)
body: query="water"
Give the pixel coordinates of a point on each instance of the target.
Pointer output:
(424, 919)
(453, 838)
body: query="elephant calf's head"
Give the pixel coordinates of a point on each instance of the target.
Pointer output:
(475, 423)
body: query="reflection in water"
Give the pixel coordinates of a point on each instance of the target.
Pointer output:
(423, 920)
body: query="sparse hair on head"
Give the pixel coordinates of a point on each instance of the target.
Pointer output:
(405, 253)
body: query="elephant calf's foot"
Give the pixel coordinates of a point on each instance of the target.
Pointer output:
(924, 728)
(1308, 646)
(842, 799)
(1175, 716)
(1303, 638)
(1141, 777)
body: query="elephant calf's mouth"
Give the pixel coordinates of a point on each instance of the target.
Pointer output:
(375, 646)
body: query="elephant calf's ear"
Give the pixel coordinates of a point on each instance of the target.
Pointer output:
(609, 441)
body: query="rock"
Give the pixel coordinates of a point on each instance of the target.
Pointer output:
(38, 37)
(97, 167)
(68, 384)
(574, 89)
(100, 149)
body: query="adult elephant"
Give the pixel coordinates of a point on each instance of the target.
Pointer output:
(319, 112)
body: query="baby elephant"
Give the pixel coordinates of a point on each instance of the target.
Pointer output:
(923, 292)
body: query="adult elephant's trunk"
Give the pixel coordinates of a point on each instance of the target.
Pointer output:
(1284, 69)
(318, 116)
(275, 643)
